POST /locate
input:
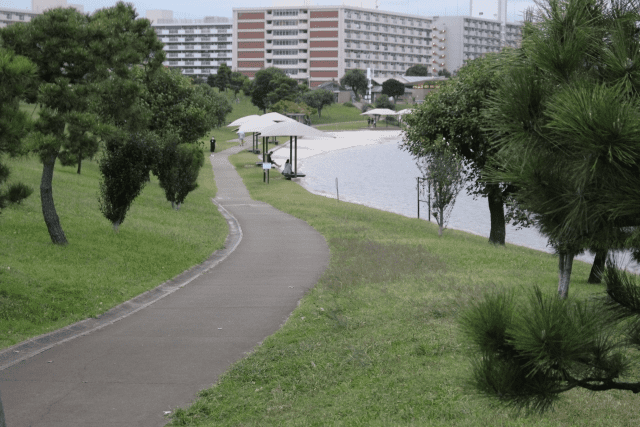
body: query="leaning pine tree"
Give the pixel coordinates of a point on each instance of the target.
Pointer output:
(568, 118)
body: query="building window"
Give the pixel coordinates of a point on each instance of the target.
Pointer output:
(284, 23)
(286, 12)
(285, 42)
(285, 62)
(285, 32)
(285, 51)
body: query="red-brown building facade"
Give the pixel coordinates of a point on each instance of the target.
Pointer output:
(316, 44)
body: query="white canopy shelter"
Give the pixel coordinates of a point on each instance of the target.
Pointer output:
(404, 112)
(277, 117)
(241, 120)
(293, 130)
(255, 125)
(380, 112)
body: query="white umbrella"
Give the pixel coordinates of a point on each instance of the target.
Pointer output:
(294, 129)
(241, 120)
(380, 112)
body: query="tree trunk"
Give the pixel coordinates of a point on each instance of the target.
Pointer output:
(595, 276)
(440, 221)
(565, 263)
(496, 209)
(115, 226)
(79, 162)
(48, 207)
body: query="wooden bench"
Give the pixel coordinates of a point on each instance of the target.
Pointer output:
(293, 175)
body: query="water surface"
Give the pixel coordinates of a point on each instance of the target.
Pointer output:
(384, 177)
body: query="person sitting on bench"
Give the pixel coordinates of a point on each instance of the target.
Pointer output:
(287, 169)
(270, 160)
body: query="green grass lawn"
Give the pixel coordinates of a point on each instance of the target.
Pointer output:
(376, 342)
(337, 113)
(44, 287)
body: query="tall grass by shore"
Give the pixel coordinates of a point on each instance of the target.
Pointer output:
(376, 342)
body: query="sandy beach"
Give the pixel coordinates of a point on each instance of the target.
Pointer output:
(334, 141)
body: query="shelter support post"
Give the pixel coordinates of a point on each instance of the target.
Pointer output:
(265, 173)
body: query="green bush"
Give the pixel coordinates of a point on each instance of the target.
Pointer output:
(383, 101)
(348, 104)
(18, 192)
(366, 107)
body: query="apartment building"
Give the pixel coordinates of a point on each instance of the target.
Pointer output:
(458, 39)
(195, 46)
(320, 43)
(10, 16)
(40, 6)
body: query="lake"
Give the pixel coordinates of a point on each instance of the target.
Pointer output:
(384, 177)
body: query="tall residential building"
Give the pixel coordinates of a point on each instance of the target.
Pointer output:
(40, 6)
(10, 16)
(458, 39)
(196, 46)
(320, 43)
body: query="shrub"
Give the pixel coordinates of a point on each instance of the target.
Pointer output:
(18, 192)
(383, 101)
(348, 104)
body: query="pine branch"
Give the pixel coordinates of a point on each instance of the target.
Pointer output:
(609, 385)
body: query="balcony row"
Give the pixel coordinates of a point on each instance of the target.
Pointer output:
(388, 19)
(211, 49)
(226, 38)
(386, 38)
(194, 32)
(392, 30)
(394, 49)
(212, 56)
(298, 26)
(172, 63)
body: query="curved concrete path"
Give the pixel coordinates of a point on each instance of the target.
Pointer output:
(131, 371)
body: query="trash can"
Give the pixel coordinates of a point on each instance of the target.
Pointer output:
(213, 144)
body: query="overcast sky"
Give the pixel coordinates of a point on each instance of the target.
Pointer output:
(201, 8)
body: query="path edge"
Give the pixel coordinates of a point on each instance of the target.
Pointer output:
(36, 345)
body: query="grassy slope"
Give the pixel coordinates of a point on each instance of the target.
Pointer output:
(44, 287)
(375, 343)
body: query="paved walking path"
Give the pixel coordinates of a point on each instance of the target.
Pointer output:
(128, 372)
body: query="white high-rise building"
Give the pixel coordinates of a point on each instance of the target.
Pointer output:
(10, 16)
(320, 43)
(458, 39)
(195, 46)
(40, 6)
